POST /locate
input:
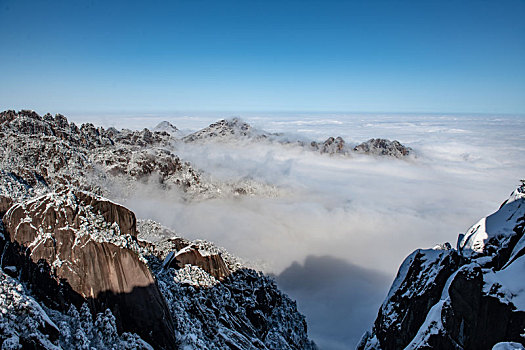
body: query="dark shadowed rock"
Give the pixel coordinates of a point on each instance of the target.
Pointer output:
(5, 204)
(475, 320)
(417, 287)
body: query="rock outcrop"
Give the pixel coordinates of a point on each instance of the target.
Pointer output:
(232, 129)
(237, 130)
(233, 307)
(49, 152)
(383, 147)
(469, 298)
(330, 146)
(192, 255)
(169, 128)
(89, 244)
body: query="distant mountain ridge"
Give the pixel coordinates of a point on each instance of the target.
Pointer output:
(237, 130)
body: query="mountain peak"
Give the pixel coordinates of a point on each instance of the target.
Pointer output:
(226, 129)
(166, 126)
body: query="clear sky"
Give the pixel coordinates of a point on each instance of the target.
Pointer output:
(354, 56)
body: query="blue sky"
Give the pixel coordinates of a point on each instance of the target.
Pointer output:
(348, 56)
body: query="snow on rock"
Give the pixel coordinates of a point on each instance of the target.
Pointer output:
(416, 288)
(236, 130)
(507, 284)
(497, 230)
(330, 146)
(162, 241)
(195, 276)
(471, 298)
(227, 130)
(383, 147)
(168, 128)
(23, 322)
(86, 250)
(48, 152)
(242, 309)
(74, 248)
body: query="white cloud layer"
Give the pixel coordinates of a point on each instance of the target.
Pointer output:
(367, 211)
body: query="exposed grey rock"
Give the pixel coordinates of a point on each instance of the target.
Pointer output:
(383, 147)
(330, 146)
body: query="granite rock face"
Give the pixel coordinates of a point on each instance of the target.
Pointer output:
(89, 243)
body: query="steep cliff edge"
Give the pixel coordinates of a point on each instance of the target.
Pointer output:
(472, 297)
(86, 244)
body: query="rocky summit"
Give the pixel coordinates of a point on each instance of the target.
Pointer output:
(236, 130)
(79, 271)
(383, 147)
(471, 297)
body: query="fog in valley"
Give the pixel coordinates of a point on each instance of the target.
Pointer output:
(334, 229)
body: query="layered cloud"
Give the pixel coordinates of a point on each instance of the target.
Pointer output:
(359, 213)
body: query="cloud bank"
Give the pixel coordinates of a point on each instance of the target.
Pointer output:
(346, 221)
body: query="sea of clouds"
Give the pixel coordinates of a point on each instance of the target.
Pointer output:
(341, 227)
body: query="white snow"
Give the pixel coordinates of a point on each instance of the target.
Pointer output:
(508, 284)
(195, 276)
(508, 346)
(499, 225)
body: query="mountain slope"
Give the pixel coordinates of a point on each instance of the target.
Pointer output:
(469, 298)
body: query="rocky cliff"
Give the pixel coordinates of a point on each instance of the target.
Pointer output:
(472, 297)
(87, 243)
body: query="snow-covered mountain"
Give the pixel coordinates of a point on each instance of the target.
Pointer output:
(472, 297)
(169, 128)
(78, 272)
(49, 151)
(224, 130)
(237, 130)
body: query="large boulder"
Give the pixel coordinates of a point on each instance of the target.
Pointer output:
(88, 245)
(213, 264)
